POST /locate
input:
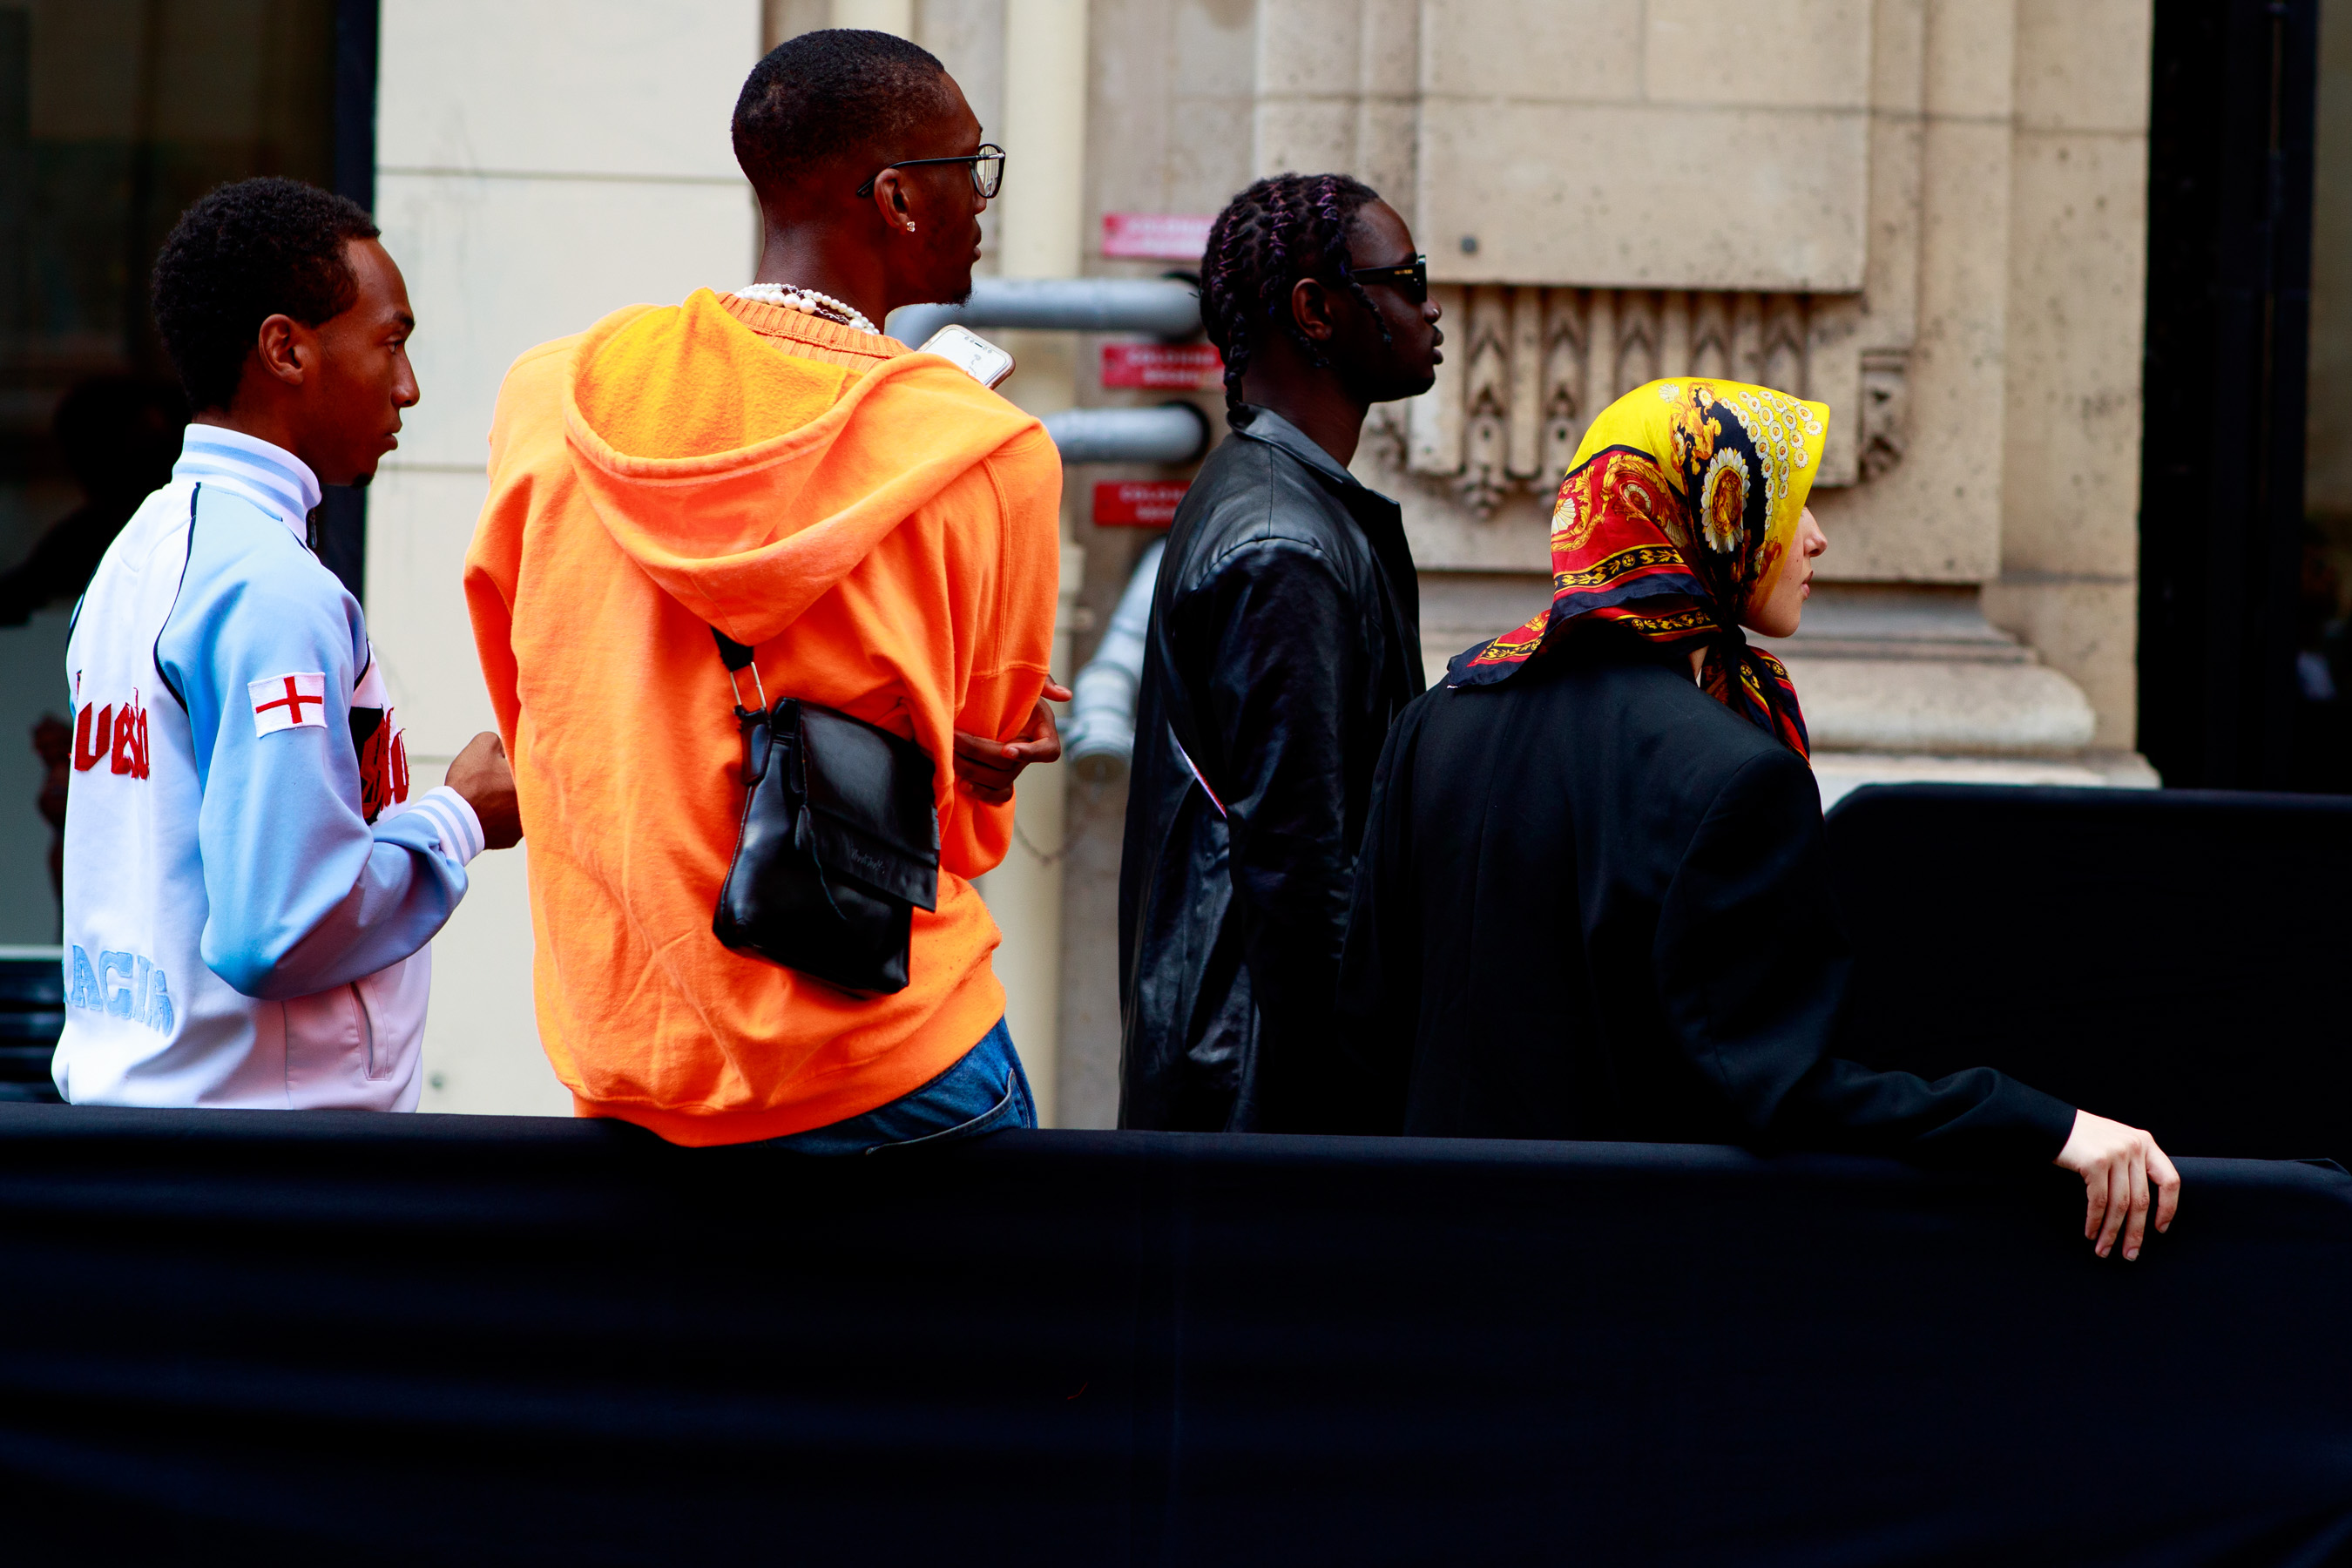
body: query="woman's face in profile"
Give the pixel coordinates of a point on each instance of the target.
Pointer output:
(1779, 602)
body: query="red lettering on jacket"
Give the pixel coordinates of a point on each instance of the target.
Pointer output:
(86, 755)
(118, 737)
(382, 749)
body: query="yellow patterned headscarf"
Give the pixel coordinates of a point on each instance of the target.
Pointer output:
(1683, 501)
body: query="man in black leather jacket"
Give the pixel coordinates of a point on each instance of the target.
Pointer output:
(1284, 637)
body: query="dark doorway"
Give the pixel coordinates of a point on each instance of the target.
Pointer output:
(2324, 619)
(115, 114)
(2223, 530)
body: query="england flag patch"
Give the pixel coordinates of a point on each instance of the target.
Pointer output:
(289, 701)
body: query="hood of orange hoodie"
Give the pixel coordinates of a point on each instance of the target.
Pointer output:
(747, 482)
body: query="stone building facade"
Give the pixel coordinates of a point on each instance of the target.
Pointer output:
(1928, 213)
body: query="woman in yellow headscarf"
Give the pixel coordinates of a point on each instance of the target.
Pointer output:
(1592, 900)
(1683, 516)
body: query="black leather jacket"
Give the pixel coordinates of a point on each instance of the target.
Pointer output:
(1284, 637)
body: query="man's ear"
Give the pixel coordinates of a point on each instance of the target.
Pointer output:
(1310, 311)
(890, 201)
(282, 350)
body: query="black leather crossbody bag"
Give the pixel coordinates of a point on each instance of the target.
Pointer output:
(839, 843)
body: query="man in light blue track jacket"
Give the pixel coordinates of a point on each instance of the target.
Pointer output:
(249, 885)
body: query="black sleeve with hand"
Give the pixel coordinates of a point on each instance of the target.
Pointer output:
(1752, 971)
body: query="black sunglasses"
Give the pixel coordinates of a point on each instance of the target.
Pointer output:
(1410, 279)
(987, 170)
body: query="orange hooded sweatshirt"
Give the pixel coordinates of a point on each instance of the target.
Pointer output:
(882, 530)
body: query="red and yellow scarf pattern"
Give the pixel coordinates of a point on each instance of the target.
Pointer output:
(1683, 501)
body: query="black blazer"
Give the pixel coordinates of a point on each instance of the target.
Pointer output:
(1593, 903)
(1284, 638)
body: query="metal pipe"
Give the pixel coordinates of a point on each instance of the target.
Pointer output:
(1099, 738)
(1171, 433)
(1159, 306)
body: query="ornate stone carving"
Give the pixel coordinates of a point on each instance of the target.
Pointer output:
(1885, 409)
(1527, 367)
(1484, 475)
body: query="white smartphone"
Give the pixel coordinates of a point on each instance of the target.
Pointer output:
(972, 354)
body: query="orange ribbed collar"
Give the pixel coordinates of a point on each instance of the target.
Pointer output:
(826, 340)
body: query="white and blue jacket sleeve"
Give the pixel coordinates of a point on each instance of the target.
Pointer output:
(304, 894)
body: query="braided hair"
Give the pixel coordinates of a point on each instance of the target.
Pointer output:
(1268, 238)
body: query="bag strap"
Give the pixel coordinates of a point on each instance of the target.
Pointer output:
(737, 657)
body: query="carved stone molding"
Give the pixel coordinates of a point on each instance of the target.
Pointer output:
(1527, 367)
(1886, 411)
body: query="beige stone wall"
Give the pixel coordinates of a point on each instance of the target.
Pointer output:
(1861, 166)
(2077, 271)
(1677, 143)
(1939, 203)
(1338, 86)
(1937, 295)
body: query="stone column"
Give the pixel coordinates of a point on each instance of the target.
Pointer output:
(2077, 289)
(1039, 235)
(876, 15)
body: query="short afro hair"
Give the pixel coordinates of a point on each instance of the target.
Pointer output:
(242, 254)
(835, 90)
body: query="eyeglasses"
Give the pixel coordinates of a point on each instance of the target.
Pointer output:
(1410, 279)
(987, 170)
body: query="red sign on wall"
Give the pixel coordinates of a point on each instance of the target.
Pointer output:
(1157, 237)
(1166, 367)
(1137, 503)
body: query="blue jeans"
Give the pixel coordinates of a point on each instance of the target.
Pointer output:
(985, 1092)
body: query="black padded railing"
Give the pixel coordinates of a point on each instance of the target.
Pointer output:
(32, 1016)
(305, 1337)
(2167, 957)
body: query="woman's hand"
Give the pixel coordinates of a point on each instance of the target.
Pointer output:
(988, 766)
(2116, 1163)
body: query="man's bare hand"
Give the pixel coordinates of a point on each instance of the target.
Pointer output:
(988, 766)
(2116, 1163)
(481, 774)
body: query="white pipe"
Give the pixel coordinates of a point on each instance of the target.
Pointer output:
(1162, 307)
(1101, 740)
(1171, 433)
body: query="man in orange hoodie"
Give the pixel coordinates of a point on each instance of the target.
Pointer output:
(878, 526)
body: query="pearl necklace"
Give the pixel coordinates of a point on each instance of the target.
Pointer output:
(809, 302)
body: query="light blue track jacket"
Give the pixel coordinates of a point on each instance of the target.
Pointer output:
(237, 931)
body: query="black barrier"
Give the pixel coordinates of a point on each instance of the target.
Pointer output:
(2176, 959)
(268, 1337)
(32, 1016)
